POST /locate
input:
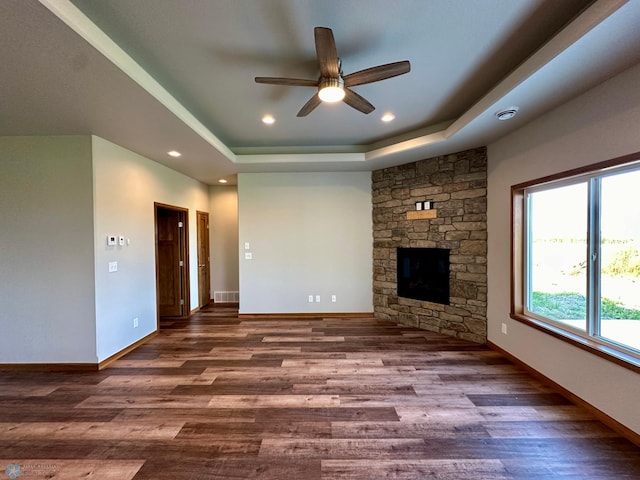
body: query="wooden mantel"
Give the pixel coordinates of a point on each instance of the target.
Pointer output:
(421, 214)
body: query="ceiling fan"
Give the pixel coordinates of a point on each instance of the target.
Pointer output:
(332, 85)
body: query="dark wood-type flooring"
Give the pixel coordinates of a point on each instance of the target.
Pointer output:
(218, 397)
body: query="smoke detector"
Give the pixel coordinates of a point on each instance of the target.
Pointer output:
(507, 113)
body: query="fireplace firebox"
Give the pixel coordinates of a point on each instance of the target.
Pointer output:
(423, 274)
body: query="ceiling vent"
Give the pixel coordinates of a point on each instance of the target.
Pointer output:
(507, 113)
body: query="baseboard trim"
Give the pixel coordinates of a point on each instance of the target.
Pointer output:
(75, 367)
(50, 367)
(596, 412)
(307, 315)
(105, 363)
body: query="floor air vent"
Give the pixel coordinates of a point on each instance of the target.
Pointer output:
(226, 297)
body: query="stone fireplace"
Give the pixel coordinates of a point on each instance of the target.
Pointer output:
(456, 186)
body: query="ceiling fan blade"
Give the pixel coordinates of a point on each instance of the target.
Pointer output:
(298, 82)
(375, 74)
(354, 100)
(309, 106)
(326, 52)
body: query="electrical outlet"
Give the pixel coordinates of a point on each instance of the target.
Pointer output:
(334, 298)
(310, 298)
(135, 322)
(318, 298)
(113, 267)
(504, 328)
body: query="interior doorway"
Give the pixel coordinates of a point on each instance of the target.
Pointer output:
(204, 265)
(172, 261)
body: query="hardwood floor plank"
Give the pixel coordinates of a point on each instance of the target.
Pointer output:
(245, 388)
(120, 381)
(409, 469)
(384, 448)
(87, 430)
(549, 429)
(449, 401)
(335, 414)
(403, 429)
(517, 399)
(514, 414)
(439, 414)
(10, 390)
(230, 468)
(257, 430)
(201, 415)
(266, 401)
(302, 339)
(130, 363)
(145, 401)
(57, 414)
(332, 363)
(357, 389)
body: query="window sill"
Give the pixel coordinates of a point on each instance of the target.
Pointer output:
(619, 358)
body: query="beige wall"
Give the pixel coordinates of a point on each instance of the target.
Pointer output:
(309, 234)
(599, 125)
(47, 300)
(59, 199)
(126, 185)
(223, 235)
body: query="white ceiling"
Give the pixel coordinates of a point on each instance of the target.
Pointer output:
(156, 75)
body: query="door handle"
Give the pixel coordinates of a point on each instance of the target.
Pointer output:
(203, 265)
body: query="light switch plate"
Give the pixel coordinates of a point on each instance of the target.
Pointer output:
(112, 240)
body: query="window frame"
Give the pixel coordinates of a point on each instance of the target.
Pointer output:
(518, 311)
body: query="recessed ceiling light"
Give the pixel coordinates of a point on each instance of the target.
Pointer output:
(222, 180)
(174, 153)
(268, 119)
(388, 117)
(507, 113)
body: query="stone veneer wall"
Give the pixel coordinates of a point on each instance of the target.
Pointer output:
(457, 184)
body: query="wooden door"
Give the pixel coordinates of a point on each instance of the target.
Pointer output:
(204, 275)
(171, 261)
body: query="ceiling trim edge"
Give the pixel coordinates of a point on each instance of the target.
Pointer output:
(89, 31)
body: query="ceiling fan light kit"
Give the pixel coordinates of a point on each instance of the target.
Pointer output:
(332, 85)
(331, 90)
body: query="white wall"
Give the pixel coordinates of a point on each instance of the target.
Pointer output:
(223, 237)
(47, 299)
(310, 234)
(602, 124)
(126, 185)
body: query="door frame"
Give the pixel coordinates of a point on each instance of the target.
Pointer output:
(184, 255)
(206, 262)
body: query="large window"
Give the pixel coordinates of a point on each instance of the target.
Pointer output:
(576, 245)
